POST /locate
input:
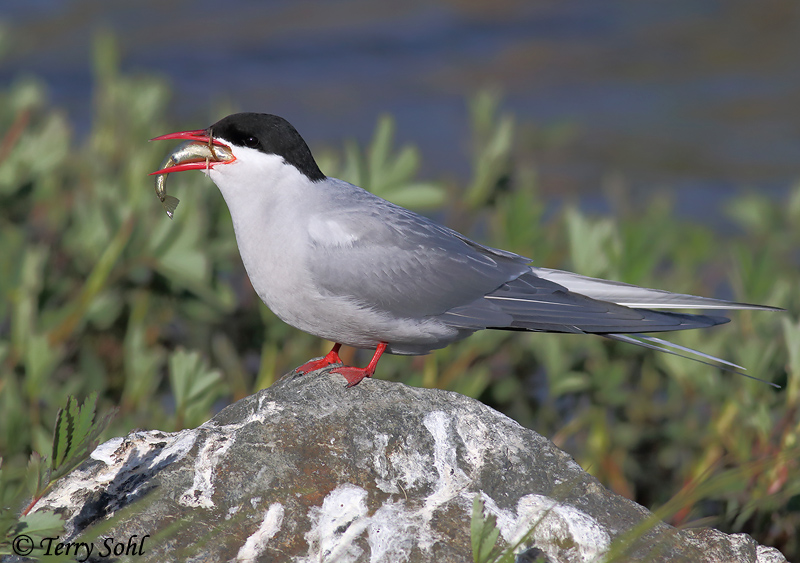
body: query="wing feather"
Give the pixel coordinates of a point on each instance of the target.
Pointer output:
(635, 296)
(391, 259)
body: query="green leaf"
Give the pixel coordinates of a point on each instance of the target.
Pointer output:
(41, 359)
(476, 526)
(142, 363)
(62, 433)
(379, 150)
(36, 526)
(419, 196)
(570, 382)
(493, 138)
(791, 334)
(76, 434)
(194, 385)
(25, 297)
(595, 245)
(483, 533)
(38, 473)
(41, 523)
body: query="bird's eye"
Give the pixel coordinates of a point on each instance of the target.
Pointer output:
(251, 142)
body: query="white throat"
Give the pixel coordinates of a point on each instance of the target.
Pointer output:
(269, 203)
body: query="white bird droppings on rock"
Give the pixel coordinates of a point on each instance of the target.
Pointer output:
(390, 533)
(563, 532)
(256, 543)
(452, 480)
(336, 524)
(212, 452)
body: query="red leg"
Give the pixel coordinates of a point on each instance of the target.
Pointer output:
(355, 375)
(330, 358)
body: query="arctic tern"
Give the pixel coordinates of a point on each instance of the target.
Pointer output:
(338, 262)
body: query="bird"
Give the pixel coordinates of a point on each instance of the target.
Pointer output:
(345, 265)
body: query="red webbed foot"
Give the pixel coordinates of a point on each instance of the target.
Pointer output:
(354, 375)
(330, 358)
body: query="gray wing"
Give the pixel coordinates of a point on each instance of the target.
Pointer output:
(541, 305)
(404, 264)
(537, 304)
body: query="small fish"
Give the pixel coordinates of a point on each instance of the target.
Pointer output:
(190, 151)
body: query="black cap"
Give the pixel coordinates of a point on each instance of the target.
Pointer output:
(269, 134)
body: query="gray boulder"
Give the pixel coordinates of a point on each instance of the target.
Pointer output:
(308, 470)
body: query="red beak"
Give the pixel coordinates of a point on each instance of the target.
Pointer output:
(199, 136)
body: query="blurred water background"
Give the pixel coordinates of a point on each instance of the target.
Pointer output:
(697, 97)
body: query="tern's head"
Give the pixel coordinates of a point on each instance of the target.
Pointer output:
(262, 147)
(263, 140)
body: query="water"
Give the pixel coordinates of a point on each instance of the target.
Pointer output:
(697, 97)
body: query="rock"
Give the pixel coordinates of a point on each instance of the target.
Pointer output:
(308, 470)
